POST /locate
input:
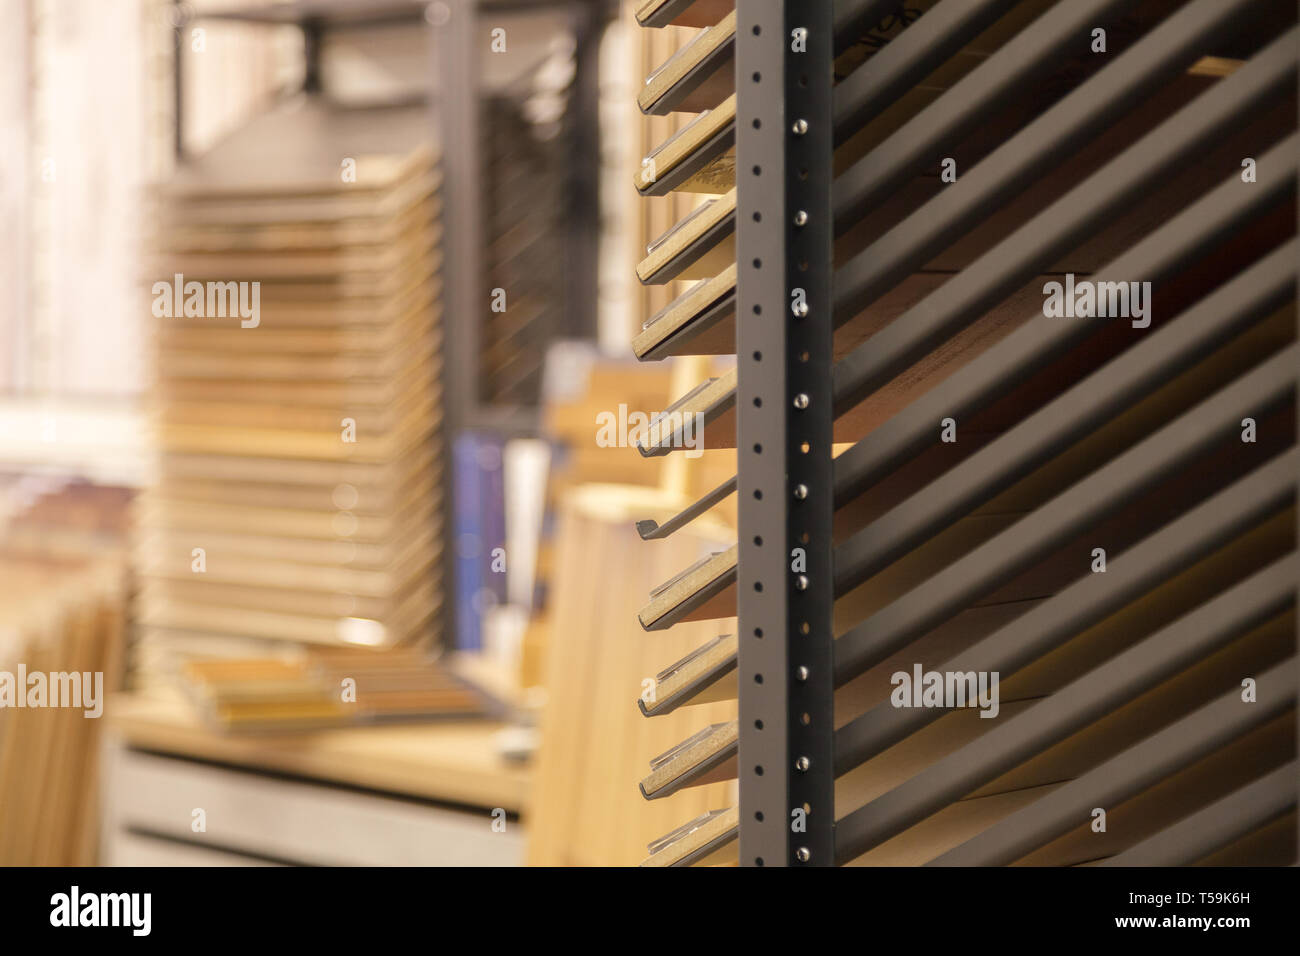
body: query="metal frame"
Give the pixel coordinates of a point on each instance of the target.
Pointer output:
(1047, 141)
(1217, 825)
(783, 133)
(1210, 526)
(455, 62)
(1156, 758)
(1006, 554)
(1104, 690)
(1188, 234)
(787, 212)
(1064, 224)
(465, 291)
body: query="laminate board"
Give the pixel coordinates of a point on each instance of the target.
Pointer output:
(709, 839)
(705, 757)
(682, 13)
(698, 76)
(699, 246)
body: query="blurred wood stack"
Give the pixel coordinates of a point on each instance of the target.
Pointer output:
(297, 500)
(326, 687)
(593, 741)
(62, 608)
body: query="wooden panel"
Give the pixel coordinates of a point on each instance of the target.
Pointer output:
(301, 451)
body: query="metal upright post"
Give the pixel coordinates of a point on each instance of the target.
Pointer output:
(179, 19)
(783, 174)
(455, 50)
(313, 35)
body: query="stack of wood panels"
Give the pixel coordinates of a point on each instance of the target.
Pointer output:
(62, 609)
(327, 687)
(297, 496)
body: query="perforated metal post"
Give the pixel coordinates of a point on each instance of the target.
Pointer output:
(783, 176)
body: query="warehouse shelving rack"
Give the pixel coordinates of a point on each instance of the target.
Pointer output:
(1185, 93)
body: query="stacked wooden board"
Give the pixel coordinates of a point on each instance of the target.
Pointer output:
(910, 239)
(298, 496)
(693, 86)
(324, 687)
(63, 597)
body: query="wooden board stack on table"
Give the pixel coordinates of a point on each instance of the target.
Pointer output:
(63, 596)
(298, 496)
(327, 687)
